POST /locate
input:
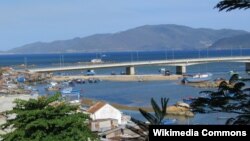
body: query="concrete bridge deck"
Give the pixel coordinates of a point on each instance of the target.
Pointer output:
(179, 63)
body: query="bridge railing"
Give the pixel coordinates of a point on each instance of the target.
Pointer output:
(62, 60)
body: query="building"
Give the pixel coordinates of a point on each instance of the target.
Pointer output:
(103, 110)
(101, 125)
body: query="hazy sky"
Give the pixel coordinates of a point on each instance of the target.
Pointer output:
(28, 21)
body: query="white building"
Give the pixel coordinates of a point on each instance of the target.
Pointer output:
(103, 110)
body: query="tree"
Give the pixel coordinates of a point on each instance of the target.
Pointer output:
(229, 5)
(153, 119)
(159, 113)
(47, 119)
(230, 97)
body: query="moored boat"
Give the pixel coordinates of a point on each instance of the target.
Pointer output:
(197, 78)
(169, 121)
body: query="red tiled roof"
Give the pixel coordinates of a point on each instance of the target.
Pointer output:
(96, 107)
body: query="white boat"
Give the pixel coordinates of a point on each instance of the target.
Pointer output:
(96, 61)
(53, 84)
(197, 78)
(67, 90)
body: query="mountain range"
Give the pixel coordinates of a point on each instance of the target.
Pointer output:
(145, 38)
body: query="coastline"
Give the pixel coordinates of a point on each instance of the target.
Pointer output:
(150, 77)
(171, 109)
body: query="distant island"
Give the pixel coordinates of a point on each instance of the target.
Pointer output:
(145, 38)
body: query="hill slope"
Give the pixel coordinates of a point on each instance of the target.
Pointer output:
(144, 38)
(239, 41)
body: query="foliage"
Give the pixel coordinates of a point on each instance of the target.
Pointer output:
(229, 5)
(1, 72)
(159, 113)
(47, 119)
(230, 97)
(153, 119)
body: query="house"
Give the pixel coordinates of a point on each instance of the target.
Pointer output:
(120, 133)
(103, 110)
(101, 125)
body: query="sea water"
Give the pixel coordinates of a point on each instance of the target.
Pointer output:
(139, 93)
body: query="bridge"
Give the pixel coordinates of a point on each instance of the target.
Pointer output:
(130, 66)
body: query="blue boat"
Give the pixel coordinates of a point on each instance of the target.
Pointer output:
(168, 121)
(197, 78)
(21, 79)
(189, 100)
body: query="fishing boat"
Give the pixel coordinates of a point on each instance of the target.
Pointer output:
(96, 60)
(90, 72)
(197, 78)
(168, 121)
(70, 90)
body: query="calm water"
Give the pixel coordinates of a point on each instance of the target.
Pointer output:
(140, 93)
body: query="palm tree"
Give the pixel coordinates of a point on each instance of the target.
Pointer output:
(230, 97)
(229, 5)
(153, 119)
(159, 113)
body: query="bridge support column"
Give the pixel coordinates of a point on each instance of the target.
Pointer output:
(130, 70)
(181, 69)
(247, 67)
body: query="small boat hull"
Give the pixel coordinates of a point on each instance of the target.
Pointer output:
(198, 78)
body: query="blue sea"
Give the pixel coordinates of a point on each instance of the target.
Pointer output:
(139, 93)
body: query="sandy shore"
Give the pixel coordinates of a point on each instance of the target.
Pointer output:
(151, 77)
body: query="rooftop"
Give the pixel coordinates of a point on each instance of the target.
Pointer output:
(96, 107)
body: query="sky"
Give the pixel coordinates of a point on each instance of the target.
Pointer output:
(28, 21)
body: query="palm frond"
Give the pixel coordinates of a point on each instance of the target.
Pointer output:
(229, 5)
(206, 92)
(233, 79)
(157, 110)
(149, 117)
(238, 86)
(223, 86)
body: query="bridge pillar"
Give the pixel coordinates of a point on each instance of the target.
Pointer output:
(181, 69)
(130, 70)
(247, 67)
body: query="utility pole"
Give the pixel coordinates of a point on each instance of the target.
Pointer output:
(25, 63)
(240, 51)
(231, 52)
(131, 56)
(166, 54)
(173, 53)
(137, 55)
(60, 61)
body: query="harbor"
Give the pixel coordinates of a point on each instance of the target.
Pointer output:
(127, 92)
(123, 70)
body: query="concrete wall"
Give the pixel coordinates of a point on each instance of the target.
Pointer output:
(107, 112)
(103, 125)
